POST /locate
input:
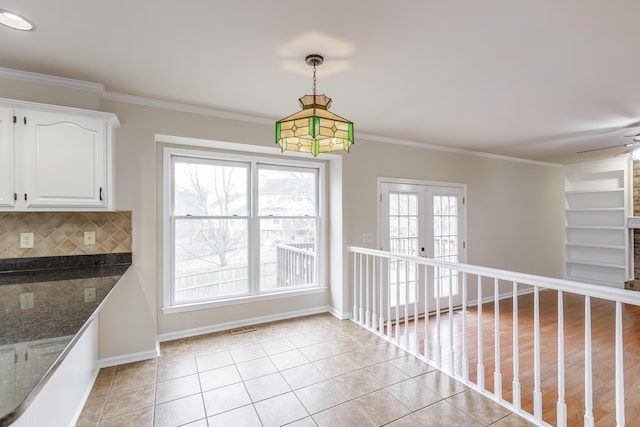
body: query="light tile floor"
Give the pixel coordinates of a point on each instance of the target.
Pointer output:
(309, 371)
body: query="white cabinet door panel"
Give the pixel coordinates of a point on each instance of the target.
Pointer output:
(67, 158)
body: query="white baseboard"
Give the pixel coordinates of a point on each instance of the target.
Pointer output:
(129, 358)
(145, 355)
(240, 323)
(338, 314)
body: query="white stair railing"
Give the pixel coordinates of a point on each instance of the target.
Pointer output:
(381, 278)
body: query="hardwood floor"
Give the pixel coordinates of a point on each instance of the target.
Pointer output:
(603, 350)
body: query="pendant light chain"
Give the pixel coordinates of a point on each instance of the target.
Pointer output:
(314, 79)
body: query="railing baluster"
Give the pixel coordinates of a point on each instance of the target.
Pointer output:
(381, 300)
(451, 351)
(480, 368)
(367, 315)
(374, 295)
(436, 287)
(416, 303)
(465, 356)
(426, 313)
(361, 311)
(515, 386)
(355, 286)
(389, 319)
(397, 332)
(497, 375)
(561, 411)
(537, 394)
(619, 367)
(406, 305)
(588, 385)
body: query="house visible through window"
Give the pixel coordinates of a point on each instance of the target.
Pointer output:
(241, 227)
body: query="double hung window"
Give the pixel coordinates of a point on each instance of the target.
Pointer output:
(240, 226)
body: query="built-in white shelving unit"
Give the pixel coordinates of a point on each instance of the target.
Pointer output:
(598, 200)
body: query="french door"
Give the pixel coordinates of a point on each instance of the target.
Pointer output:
(422, 219)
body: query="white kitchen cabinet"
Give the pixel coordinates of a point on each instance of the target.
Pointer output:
(61, 158)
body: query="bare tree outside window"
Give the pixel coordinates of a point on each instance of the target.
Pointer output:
(213, 191)
(211, 237)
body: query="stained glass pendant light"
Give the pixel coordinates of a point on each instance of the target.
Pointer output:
(314, 129)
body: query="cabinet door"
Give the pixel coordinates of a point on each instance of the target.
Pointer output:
(7, 379)
(7, 184)
(65, 160)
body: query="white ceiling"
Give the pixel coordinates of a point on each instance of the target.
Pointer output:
(529, 79)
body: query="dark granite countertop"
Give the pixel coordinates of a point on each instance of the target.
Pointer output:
(46, 303)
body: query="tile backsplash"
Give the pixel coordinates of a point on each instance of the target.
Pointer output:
(62, 233)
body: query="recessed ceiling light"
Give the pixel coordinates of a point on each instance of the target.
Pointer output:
(16, 21)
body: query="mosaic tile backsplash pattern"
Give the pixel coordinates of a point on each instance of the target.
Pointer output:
(62, 233)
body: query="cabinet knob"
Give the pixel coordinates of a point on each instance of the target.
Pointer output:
(100, 193)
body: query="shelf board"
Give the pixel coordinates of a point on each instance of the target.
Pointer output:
(595, 264)
(595, 282)
(592, 227)
(595, 246)
(616, 209)
(610, 190)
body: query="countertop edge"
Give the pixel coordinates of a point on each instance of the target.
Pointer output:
(12, 416)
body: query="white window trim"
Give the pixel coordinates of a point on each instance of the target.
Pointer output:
(167, 256)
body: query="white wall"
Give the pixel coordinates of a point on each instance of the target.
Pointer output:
(514, 209)
(515, 215)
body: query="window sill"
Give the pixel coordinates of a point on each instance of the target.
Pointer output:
(241, 300)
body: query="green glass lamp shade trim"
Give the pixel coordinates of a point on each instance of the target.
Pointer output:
(315, 125)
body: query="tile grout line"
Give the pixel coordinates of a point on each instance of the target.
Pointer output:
(322, 340)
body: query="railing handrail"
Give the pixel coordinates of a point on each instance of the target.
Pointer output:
(294, 249)
(580, 288)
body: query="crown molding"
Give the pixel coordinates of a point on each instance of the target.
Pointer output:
(212, 112)
(185, 108)
(51, 80)
(426, 146)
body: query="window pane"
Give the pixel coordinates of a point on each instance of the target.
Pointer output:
(287, 192)
(288, 260)
(403, 207)
(210, 258)
(210, 189)
(393, 204)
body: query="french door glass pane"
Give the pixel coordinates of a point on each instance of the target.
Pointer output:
(403, 239)
(287, 252)
(211, 188)
(445, 241)
(211, 258)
